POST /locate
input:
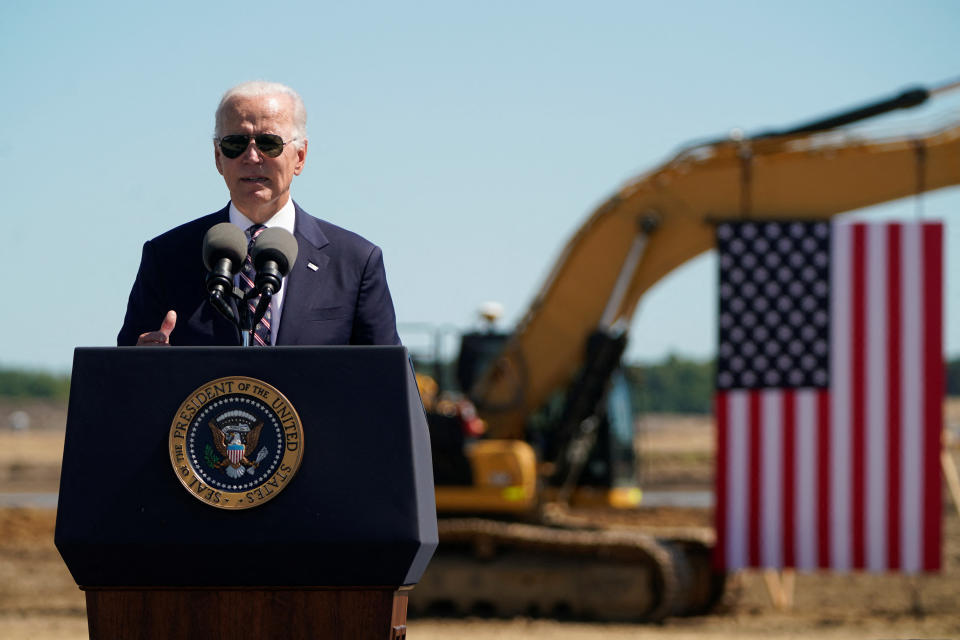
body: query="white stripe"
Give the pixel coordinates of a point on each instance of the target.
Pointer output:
(875, 484)
(771, 479)
(806, 481)
(737, 480)
(911, 402)
(841, 524)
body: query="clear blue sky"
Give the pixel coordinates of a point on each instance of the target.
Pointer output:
(468, 139)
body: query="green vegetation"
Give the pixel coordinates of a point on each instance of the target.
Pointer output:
(20, 383)
(676, 385)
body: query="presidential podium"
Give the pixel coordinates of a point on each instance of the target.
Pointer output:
(224, 492)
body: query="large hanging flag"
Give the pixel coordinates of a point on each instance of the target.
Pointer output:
(829, 395)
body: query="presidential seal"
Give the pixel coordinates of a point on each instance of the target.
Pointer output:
(236, 443)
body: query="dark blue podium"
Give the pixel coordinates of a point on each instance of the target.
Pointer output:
(327, 551)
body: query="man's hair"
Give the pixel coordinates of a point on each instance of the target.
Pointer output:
(257, 88)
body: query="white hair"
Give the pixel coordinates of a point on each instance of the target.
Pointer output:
(257, 88)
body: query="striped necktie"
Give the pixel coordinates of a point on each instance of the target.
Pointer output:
(261, 334)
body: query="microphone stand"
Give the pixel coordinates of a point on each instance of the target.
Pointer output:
(245, 324)
(221, 305)
(248, 321)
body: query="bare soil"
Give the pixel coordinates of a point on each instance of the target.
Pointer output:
(39, 600)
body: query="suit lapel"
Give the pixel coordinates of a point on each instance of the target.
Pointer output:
(302, 281)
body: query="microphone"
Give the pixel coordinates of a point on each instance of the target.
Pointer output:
(273, 253)
(224, 249)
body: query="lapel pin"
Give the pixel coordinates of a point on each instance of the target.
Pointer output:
(312, 266)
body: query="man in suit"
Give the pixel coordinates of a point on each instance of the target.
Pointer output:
(335, 293)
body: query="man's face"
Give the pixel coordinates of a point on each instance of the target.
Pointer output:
(259, 185)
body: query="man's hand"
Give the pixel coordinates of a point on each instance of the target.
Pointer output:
(162, 336)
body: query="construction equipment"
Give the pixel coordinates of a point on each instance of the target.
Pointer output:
(550, 393)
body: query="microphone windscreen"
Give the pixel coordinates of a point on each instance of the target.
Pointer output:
(275, 244)
(224, 240)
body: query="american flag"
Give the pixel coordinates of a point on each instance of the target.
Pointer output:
(829, 392)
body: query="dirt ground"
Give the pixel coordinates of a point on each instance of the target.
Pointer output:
(39, 600)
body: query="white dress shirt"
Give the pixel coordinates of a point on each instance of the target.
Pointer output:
(285, 219)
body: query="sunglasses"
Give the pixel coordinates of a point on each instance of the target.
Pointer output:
(269, 144)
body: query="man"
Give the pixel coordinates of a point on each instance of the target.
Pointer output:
(335, 293)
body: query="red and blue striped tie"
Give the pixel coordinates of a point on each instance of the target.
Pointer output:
(261, 334)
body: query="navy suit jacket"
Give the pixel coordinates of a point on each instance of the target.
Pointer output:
(345, 300)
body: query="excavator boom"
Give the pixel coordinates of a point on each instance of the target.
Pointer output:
(671, 210)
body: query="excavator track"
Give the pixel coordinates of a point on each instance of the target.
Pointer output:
(494, 567)
(702, 586)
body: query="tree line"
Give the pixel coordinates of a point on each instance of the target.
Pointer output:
(29, 384)
(675, 385)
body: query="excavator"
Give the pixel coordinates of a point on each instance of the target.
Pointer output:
(536, 424)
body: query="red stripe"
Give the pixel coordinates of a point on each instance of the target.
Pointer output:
(894, 442)
(823, 478)
(933, 390)
(858, 305)
(720, 513)
(789, 478)
(755, 463)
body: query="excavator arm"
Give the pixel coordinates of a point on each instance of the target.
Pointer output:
(663, 218)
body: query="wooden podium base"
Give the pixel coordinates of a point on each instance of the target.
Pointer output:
(218, 613)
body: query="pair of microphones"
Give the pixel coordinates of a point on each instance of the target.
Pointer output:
(225, 246)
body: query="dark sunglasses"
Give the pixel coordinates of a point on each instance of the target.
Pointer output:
(269, 144)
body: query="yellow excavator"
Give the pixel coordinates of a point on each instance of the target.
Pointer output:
(541, 425)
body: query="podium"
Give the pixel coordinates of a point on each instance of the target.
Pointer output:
(328, 551)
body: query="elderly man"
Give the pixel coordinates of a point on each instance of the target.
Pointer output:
(335, 293)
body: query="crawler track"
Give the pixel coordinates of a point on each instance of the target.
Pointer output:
(508, 568)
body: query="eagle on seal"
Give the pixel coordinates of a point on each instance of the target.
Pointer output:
(224, 442)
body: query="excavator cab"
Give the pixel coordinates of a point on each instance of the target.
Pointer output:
(578, 448)
(474, 474)
(477, 350)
